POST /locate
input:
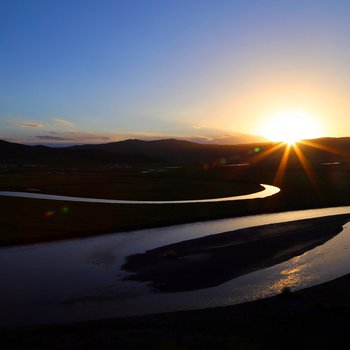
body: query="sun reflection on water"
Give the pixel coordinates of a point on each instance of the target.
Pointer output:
(293, 276)
(292, 270)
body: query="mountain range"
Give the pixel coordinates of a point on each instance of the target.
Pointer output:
(168, 150)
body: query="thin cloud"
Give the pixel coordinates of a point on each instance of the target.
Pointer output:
(198, 126)
(73, 137)
(53, 138)
(30, 125)
(63, 122)
(87, 137)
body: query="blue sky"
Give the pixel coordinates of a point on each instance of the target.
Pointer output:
(94, 71)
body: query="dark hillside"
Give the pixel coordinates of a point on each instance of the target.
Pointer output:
(325, 150)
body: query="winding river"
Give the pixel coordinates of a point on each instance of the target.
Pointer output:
(266, 192)
(81, 279)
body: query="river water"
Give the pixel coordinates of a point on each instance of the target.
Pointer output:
(81, 279)
(266, 192)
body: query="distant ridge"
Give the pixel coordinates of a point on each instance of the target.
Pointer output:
(166, 149)
(325, 149)
(14, 153)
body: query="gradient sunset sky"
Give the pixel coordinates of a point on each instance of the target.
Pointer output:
(83, 71)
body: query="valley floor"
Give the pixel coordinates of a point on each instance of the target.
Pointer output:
(318, 317)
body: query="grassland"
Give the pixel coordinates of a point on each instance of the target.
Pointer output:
(30, 220)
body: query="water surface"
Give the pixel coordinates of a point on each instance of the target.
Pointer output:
(266, 192)
(81, 279)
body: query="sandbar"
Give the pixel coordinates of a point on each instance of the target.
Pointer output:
(212, 260)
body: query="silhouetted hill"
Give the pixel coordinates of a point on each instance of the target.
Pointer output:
(318, 150)
(170, 150)
(18, 154)
(165, 150)
(180, 151)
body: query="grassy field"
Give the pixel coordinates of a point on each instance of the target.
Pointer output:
(30, 220)
(136, 183)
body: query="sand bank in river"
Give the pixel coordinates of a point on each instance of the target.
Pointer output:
(212, 260)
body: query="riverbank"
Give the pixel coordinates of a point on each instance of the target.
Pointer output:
(25, 220)
(212, 260)
(315, 318)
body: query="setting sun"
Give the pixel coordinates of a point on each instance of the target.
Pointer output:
(291, 126)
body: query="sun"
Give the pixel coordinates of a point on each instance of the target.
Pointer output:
(291, 126)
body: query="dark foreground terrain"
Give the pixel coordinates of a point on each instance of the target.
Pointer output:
(314, 318)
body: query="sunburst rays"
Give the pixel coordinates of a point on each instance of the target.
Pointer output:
(296, 148)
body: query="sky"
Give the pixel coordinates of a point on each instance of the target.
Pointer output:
(93, 71)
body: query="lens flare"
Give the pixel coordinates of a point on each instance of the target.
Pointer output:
(65, 210)
(48, 213)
